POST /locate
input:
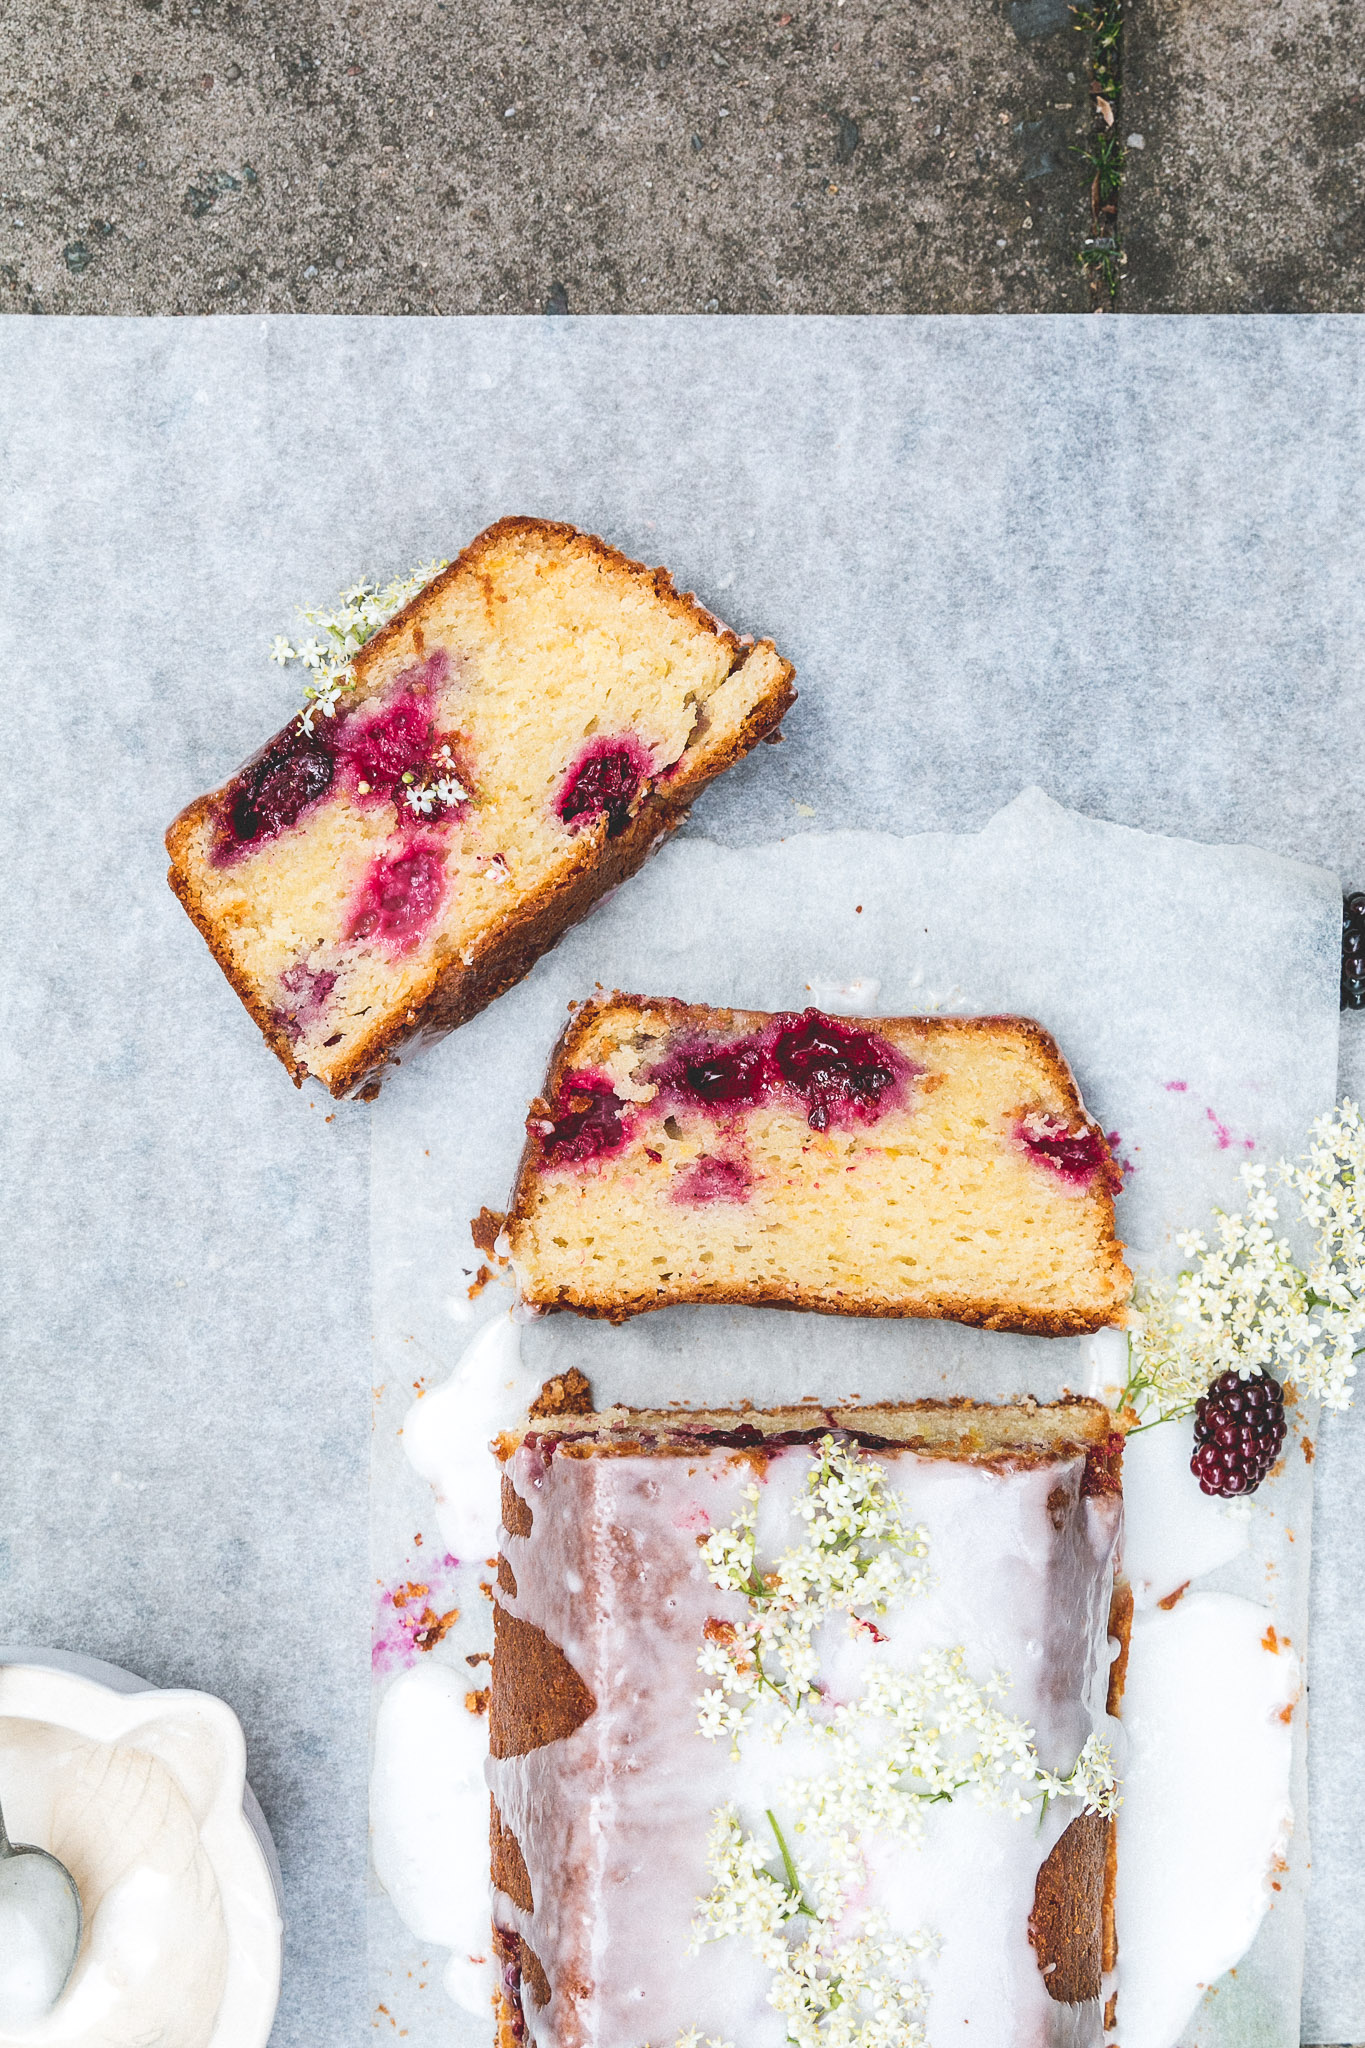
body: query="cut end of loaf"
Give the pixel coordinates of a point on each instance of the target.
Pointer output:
(1007, 1435)
(902, 1166)
(515, 743)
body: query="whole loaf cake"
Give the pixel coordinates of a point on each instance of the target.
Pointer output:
(806, 1712)
(512, 744)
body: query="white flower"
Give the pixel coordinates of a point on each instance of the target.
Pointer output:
(1244, 1304)
(855, 1559)
(355, 618)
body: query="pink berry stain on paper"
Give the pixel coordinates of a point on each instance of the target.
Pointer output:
(412, 1615)
(1226, 1141)
(1223, 1135)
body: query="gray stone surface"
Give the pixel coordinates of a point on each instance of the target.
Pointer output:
(1248, 194)
(194, 156)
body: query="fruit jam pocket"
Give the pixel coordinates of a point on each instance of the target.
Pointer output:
(712, 1180)
(834, 1072)
(379, 748)
(383, 749)
(291, 774)
(591, 1122)
(400, 896)
(606, 781)
(1075, 1156)
(308, 991)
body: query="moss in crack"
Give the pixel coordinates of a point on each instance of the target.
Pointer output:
(1101, 256)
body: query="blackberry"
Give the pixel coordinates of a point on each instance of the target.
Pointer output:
(1353, 952)
(1238, 1431)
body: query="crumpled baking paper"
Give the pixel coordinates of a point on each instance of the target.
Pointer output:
(1192, 988)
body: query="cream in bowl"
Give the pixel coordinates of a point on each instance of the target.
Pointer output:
(140, 1794)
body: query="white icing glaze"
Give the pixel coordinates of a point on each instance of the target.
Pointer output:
(140, 1795)
(845, 998)
(447, 1434)
(1172, 1532)
(1106, 1358)
(610, 1572)
(429, 1821)
(1206, 1810)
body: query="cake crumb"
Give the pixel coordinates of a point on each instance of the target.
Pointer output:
(567, 1393)
(434, 1627)
(486, 1229)
(477, 1702)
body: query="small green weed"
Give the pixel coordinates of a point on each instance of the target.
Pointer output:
(1103, 23)
(1102, 265)
(1105, 158)
(1100, 260)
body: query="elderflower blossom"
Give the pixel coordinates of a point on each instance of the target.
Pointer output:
(446, 790)
(355, 618)
(908, 1739)
(1245, 1305)
(855, 1559)
(858, 1991)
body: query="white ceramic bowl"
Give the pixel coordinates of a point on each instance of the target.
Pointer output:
(143, 1794)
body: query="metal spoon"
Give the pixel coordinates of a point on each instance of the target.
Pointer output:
(40, 1930)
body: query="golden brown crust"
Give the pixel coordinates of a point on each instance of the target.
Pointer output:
(1002, 1314)
(187, 889)
(508, 1864)
(457, 990)
(517, 1519)
(1121, 1628)
(537, 1696)
(533, 1974)
(1066, 1926)
(486, 1229)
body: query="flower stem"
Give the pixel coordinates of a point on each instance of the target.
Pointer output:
(794, 1890)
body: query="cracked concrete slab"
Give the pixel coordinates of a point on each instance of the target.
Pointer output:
(194, 156)
(1244, 190)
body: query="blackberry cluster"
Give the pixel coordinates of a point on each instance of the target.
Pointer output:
(1353, 952)
(1238, 1430)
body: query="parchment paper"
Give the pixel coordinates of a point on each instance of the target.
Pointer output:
(1193, 989)
(1118, 558)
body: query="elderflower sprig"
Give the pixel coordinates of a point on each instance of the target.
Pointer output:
(855, 1558)
(354, 618)
(907, 1740)
(1245, 1305)
(835, 1989)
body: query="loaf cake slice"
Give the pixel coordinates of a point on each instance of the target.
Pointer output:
(511, 745)
(898, 1166)
(805, 1710)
